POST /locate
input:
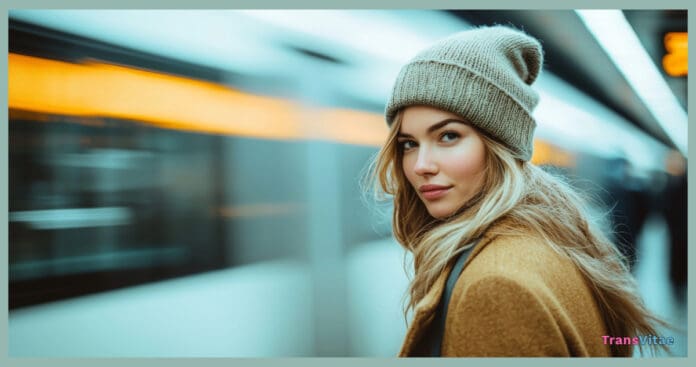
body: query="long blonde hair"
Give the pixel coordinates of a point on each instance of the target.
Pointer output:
(533, 202)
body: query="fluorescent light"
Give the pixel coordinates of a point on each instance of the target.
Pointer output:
(616, 36)
(390, 35)
(221, 39)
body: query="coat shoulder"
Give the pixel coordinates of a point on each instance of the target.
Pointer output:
(524, 258)
(519, 287)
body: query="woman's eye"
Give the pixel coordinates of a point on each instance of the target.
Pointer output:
(407, 144)
(449, 136)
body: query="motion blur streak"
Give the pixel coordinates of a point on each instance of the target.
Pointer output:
(545, 153)
(349, 126)
(98, 89)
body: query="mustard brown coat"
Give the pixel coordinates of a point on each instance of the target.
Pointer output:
(515, 297)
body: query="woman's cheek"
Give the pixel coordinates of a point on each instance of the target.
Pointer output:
(466, 162)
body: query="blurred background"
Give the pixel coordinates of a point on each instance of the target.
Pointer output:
(187, 183)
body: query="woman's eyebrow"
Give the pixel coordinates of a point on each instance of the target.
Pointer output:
(434, 127)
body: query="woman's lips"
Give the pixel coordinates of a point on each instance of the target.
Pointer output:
(435, 194)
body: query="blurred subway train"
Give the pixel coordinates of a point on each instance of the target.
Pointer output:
(188, 183)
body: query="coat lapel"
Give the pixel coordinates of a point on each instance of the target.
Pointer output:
(422, 317)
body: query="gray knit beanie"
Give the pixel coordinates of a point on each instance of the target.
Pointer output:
(483, 75)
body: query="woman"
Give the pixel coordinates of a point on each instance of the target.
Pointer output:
(541, 279)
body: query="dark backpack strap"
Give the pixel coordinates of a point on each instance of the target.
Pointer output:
(438, 328)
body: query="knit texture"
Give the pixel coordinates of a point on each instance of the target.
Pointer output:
(484, 75)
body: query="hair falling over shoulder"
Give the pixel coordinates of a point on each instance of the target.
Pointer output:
(532, 202)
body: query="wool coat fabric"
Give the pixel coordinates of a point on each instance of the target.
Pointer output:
(515, 297)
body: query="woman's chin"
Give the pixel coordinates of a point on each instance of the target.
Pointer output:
(440, 213)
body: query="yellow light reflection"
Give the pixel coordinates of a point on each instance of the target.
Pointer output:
(98, 89)
(545, 153)
(676, 62)
(95, 89)
(349, 126)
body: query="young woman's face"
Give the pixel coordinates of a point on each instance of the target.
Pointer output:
(443, 158)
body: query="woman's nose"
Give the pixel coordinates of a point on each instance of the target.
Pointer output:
(425, 165)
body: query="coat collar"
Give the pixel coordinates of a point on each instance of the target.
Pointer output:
(424, 311)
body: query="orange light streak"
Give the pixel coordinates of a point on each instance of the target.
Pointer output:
(96, 89)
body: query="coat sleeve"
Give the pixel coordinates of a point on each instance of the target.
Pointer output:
(499, 316)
